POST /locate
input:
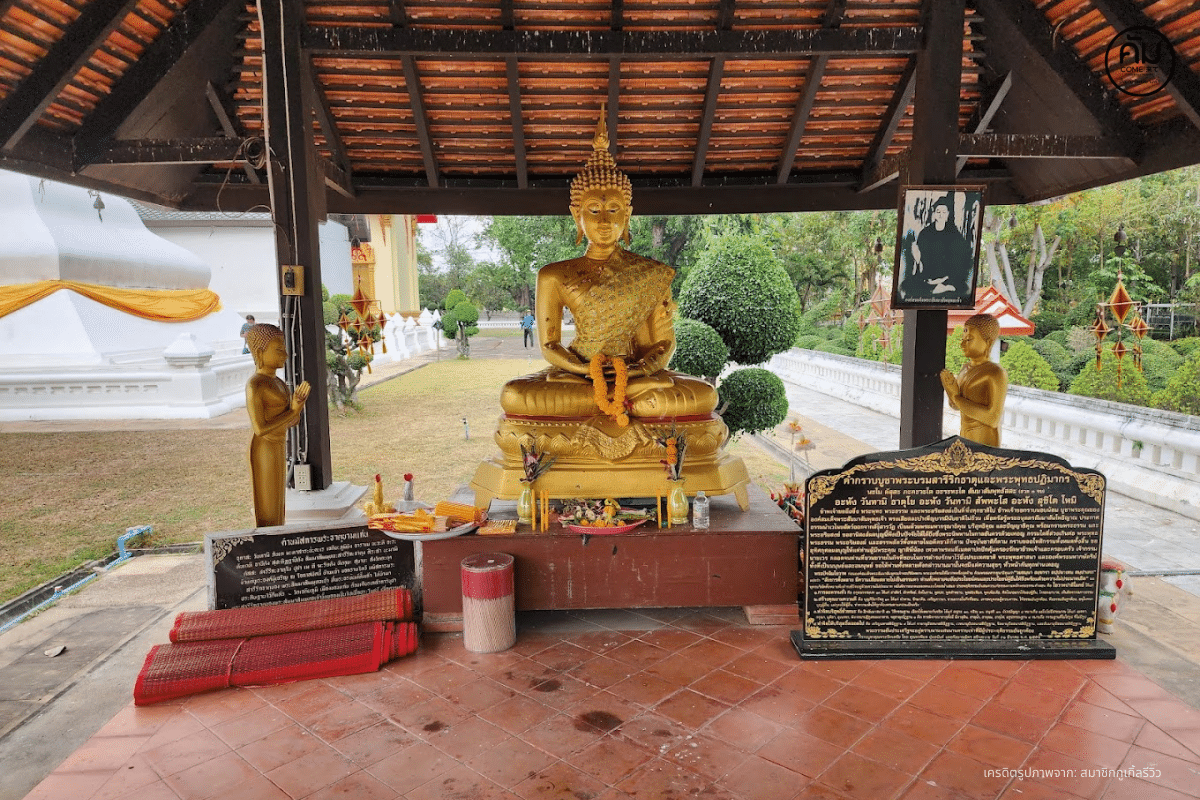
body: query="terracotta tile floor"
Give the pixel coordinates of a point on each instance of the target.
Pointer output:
(656, 704)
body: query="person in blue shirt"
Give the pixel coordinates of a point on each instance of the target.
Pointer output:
(527, 327)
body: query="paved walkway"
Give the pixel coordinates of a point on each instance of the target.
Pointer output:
(611, 705)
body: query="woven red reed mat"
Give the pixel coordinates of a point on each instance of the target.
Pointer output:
(186, 668)
(310, 615)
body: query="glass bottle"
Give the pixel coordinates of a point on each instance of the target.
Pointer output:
(677, 504)
(525, 503)
(700, 511)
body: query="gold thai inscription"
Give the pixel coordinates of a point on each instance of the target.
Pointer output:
(953, 545)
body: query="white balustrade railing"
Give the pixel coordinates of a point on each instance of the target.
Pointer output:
(1148, 454)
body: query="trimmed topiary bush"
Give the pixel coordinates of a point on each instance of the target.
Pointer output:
(742, 290)
(1058, 357)
(1102, 383)
(698, 349)
(1186, 347)
(1182, 392)
(809, 341)
(1026, 368)
(754, 400)
(465, 313)
(1046, 322)
(1160, 362)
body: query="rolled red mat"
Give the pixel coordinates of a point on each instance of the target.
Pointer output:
(309, 615)
(180, 669)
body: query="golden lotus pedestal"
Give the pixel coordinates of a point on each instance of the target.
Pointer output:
(595, 458)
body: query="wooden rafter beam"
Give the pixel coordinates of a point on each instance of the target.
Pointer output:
(518, 125)
(396, 14)
(205, 150)
(712, 93)
(1100, 103)
(143, 75)
(1036, 145)
(800, 115)
(887, 170)
(320, 106)
(507, 17)
(986, 111)
(338, 179)
(417, 102)
(227, 118)
(618, 15)
(33, 95)
(475, 43)
(613, 105)
(1182, 84)
(896, 109)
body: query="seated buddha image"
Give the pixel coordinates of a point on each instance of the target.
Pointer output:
(623, 312)
(607, 396)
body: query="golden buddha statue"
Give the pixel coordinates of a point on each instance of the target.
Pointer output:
(603, 403)
(977, 393)
(272, 411)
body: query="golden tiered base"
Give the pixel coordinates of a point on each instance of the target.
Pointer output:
(595, 458)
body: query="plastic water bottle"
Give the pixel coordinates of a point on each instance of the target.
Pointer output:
(700, 510)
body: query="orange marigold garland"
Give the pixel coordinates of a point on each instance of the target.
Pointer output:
(615, 408)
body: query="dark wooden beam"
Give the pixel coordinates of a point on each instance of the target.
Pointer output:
(412, 83)
(1182, 84)
(618, 15)
(835, 13)
(725, 13)
(396, 14)
(337, 179)
(27, 101)
(143, 75)
(885, 171)
(320, 106)
(297, 198)
(712, 94)
(892, 116)
(518, 125)
(800, 115)
(986, 110)
(507, 18)
(1036, 145)
(475, 43)
(208, 150)
(227, 118)
(1079, 78)
(548, 197)
(613, 105)
(935, 140)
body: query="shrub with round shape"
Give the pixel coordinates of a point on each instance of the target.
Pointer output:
(754, 400)
(698, 349)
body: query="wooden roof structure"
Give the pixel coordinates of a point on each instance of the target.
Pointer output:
(311, 107)
(487, 106)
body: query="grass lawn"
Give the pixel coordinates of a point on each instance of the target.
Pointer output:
(69, 495)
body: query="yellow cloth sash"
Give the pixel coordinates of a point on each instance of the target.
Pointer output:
(162, 305)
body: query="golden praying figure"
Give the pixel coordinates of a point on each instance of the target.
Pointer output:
(272, 411)
(607, 392)
(977, 393)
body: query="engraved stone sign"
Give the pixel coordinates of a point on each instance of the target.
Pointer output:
(953, 550)
(303, 562)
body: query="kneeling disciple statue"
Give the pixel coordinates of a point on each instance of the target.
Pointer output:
(978, 391)
(272, 411)
(607, 399)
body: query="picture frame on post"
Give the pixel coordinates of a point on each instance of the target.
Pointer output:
(938, 233)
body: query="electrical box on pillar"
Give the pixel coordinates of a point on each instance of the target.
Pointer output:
(292, 280)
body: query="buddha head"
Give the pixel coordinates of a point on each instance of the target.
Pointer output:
(980, 332)
(601, 195)
(266, 345)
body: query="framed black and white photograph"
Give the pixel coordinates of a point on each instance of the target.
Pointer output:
(937, 246)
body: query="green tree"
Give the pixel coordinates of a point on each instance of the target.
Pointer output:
(525, 245)
(699, 349)
(1102, 383)
(1182, 392)
(740, 289)
(1026, 368)
(753, 399)
(1058, 357)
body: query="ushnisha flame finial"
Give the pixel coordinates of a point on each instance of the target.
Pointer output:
(601, 171)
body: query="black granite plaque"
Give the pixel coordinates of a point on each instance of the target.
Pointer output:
(953, 550)
(310, 562)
